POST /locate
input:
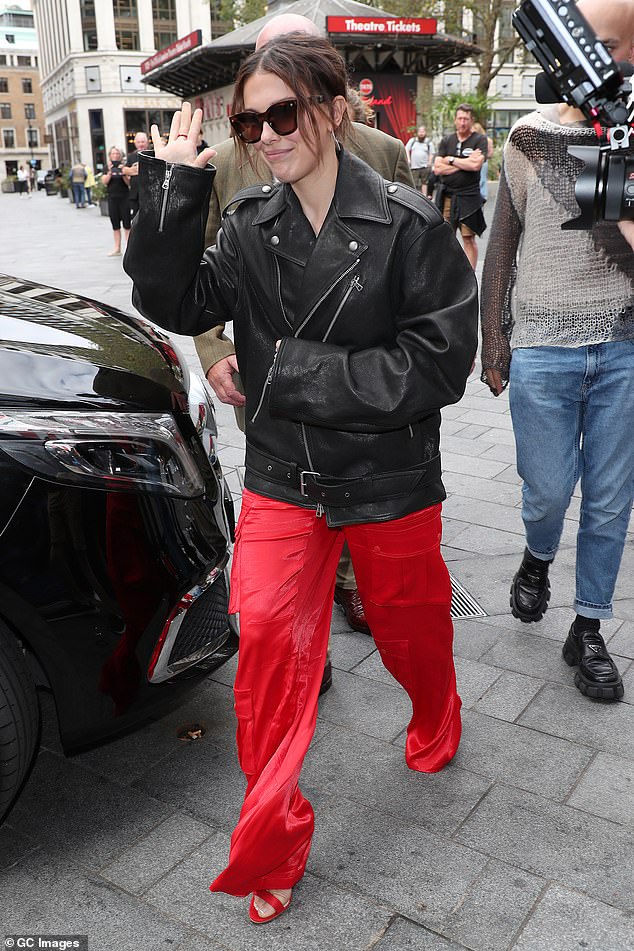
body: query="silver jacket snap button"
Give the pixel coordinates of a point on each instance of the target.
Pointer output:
(275, 240)
(353, 245)
(392, 189)
(266, 189)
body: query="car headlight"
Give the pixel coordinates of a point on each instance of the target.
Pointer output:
(120, 452)
(201, 410)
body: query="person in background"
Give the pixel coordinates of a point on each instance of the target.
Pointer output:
(118, 203)
(420, 153)
(356, 321)
(89, 184)
(131, 171)
(558, 324)
(78, 183)
(23, 182)
(457, 164)
(383, 153)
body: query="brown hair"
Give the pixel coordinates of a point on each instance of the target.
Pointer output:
(465, 107)
(311, 67)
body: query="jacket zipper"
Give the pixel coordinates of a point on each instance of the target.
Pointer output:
(169, 168)
(267, 382)
(279, 291)
(320, 509)
(354, 284)
(323, 298)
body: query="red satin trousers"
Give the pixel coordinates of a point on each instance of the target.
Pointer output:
(282, 581)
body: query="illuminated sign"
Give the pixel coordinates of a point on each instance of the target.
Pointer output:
(186, 43)
(382, 26)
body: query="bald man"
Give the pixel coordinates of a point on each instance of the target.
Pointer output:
(217, 354)
(567, 348)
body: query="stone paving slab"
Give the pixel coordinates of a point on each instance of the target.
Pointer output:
(568, 920)
(554, 841)
(524, 843)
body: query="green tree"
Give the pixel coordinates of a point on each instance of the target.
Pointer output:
(492, 29)
(444, 110)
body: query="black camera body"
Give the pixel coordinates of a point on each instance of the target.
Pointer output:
(579, 70)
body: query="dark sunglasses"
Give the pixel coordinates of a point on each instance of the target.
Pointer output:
(281, 116)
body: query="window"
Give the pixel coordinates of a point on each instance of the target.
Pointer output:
(29, 110)
(32, 138)
(4, 84)
(5, 110)
(126, 24)
(8, 138)
(3, 59)
(504, 85)
(127, 39)
(88, 24)
(528, 87)
(93, 79)
(27, 86)
(130, 78)
(9, 37)
(451, 82)
(24, 61)
(165, 28)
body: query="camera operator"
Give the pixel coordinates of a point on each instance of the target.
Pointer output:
(561, 304)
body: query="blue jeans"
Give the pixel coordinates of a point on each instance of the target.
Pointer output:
(573, 417)
(79, 193)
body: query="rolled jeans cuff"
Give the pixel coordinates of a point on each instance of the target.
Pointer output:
(599, 611)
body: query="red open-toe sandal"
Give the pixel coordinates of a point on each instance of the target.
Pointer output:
(273, 901)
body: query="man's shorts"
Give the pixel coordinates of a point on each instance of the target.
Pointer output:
(421, 175)
(465, 230)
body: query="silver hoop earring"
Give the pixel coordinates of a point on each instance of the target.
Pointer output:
(335, 140)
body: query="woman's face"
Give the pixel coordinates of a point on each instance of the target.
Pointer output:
(114, 155)
(290, 157)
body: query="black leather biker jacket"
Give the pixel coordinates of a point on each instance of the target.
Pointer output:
(377, 318)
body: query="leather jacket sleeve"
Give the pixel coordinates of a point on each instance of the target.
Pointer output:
(172, 286)
(381, 389)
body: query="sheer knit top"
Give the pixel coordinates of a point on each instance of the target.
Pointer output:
(542, 286)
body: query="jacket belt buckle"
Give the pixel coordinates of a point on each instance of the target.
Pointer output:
(303, 488)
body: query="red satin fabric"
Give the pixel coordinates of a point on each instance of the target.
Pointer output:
(282, 584)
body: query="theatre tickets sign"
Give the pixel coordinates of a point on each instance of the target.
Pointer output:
(382, 26)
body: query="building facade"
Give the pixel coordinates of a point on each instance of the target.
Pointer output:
(22, 129)
(512, 90)
(90, 56)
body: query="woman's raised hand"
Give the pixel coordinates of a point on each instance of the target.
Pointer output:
(183, 137)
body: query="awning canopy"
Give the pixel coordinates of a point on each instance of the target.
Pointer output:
(216, 64)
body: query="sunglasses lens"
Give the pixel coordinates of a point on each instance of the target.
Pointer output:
(247, 126)
(283, 117)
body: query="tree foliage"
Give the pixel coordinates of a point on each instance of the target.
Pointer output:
(444, 110)
(487, 16)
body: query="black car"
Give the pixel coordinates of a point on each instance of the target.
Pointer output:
(115, 524)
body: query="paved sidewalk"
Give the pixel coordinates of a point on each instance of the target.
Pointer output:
(524, 842)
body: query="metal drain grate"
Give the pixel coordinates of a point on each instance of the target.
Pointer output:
(463, 604)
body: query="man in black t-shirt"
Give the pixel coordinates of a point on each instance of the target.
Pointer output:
(459, 158)
(131, 169)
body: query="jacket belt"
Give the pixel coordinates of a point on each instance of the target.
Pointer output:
(330, 490)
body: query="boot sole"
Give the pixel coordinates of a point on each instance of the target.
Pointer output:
(535, 615)
(607, 693)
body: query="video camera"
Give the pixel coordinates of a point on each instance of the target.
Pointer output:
(579, 70)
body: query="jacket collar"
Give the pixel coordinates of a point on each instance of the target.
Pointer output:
(359, 193)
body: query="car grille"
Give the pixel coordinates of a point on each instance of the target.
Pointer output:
(205, 622)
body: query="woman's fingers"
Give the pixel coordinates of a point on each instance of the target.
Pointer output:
(205, 156)
(174, 127)
(155, 135)
(185, 119)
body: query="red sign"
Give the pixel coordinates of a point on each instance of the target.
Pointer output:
(189, 42)
(365, 87)
(386, 26)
